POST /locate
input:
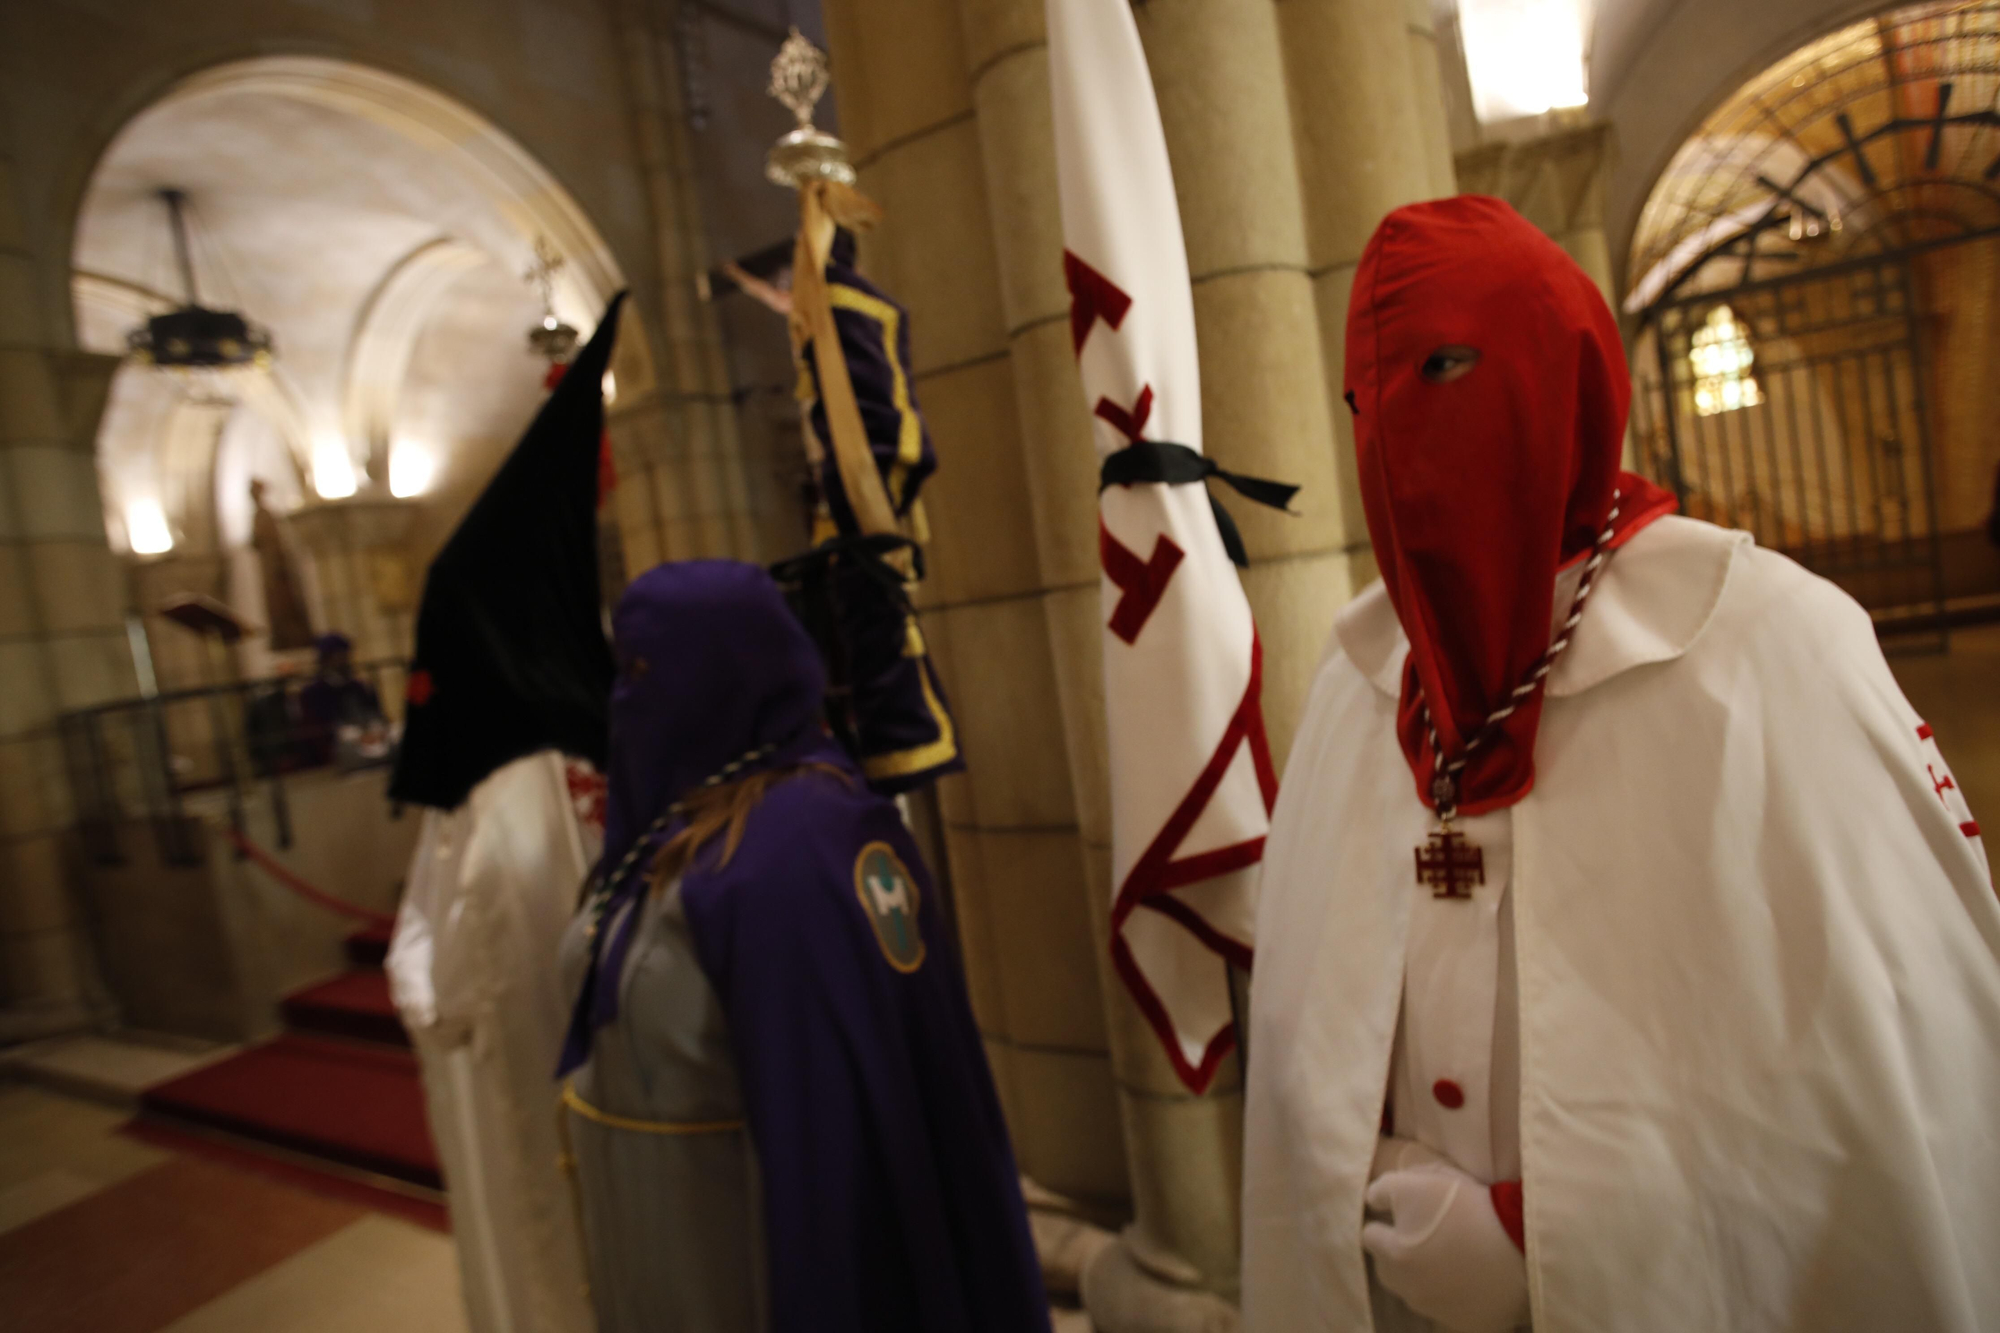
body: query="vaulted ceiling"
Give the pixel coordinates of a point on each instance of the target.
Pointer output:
(376, 272)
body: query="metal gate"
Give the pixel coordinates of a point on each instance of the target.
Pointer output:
(1794, 408)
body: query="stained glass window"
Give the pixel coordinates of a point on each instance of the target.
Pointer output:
(1721, 357)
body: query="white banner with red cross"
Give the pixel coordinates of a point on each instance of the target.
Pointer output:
(1191, 775)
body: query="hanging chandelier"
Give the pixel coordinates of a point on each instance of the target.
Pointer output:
(552, 338)
(192, 336)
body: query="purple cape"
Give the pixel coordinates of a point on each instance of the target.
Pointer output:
(892, 1203)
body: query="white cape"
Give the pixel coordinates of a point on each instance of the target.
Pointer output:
(473, 969)
(1759, 974)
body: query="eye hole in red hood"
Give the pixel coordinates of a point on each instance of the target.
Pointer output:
(1453, 362)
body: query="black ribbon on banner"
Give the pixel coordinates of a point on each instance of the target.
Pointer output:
(1176, 464)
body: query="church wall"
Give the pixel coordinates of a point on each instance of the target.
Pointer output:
(62, 642)
(1958, 290)
(676, 440)
(732, 119)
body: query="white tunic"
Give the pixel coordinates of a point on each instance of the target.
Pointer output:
(473, 971)
(1456, 1060)
(1455, 1081)
(1758, 960)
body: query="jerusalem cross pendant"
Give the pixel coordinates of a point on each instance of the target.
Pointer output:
(1450, 865)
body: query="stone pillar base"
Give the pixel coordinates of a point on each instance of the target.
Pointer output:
(34, 1019)
(1125, 1294)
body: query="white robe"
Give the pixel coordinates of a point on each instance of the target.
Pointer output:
(1758, 958)
(472, 967)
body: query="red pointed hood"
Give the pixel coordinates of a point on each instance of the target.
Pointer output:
(1480, 484)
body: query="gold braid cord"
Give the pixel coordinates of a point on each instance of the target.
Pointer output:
(572, 1099)
(824, 205)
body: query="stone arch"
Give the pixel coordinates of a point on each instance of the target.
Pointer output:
(385, 335)
(1878, 137)
(1676, 69)
(523, 198)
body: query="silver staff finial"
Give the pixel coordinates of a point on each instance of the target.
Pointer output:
(799, 77)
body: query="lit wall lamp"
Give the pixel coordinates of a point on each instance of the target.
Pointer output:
(146, 529)
(333, 468)
(1524, 57)
(412, 468)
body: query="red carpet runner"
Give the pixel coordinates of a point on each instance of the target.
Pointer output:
(339, 1088)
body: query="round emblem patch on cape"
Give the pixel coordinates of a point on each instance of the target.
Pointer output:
(888, 897)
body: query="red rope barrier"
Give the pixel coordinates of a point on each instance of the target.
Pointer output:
(276, 870)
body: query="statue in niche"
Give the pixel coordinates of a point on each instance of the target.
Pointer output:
(284, 607)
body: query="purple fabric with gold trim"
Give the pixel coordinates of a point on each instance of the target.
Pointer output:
(875, 339)
(903, 729)
(889, 707)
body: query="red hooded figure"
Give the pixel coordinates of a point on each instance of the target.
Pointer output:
(1489, 393)
(1687, 1014)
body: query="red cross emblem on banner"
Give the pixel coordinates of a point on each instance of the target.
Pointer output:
(1131, 424)
(1092, 297)
(1141, 583)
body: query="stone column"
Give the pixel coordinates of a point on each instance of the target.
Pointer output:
(1462, 126)
(1366, 136)
(683, 492)
(62, 631)
(1427, 90)
(1556, 180)
(1220, 75)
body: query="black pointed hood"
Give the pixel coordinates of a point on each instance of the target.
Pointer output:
(511, 656)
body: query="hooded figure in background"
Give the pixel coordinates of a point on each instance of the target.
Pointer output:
(777, 1102)
(505, 742)
(1627, 958)
(335, 700)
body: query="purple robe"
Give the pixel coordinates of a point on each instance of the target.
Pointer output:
(891, 1202)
